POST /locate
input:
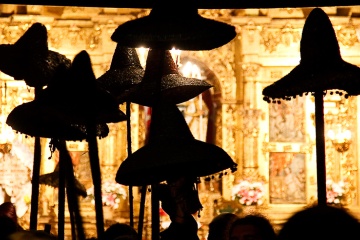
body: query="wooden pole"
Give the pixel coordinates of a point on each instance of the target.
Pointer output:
(320, 147)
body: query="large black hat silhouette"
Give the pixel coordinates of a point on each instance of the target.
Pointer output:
(174, 26)
(321, 69)
(31, 55)
(172, 87)
(171, 152)
(40, 118)
(321, 66)
(78, 98)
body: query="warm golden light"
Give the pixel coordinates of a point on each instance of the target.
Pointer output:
(142, 53)
(340, 138)
(175, 53)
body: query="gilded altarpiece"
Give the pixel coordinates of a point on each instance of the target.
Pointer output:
(264, 50)
(70, 37)
(270, 50)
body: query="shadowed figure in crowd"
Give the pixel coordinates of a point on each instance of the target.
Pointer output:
(320, 222)
(8, 220)
(180, 200)
(31, 235)
(219, 227)
(253, 226)
(119, 231)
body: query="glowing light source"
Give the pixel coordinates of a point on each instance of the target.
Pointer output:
(340, 138)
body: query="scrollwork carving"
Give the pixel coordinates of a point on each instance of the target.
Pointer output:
(216, 13)
(346, 35)
(272, 37)
(250, 69)
(251, 29)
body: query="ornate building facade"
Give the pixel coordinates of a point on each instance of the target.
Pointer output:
(272, 143)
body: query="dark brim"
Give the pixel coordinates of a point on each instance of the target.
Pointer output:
(309, 79)
(164, 160)
(52, 180)
(187, 33)
(34, 119)
(175, 89)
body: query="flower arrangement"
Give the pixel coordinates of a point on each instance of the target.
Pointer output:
(248, 193)
(334, 192)
(112, 194)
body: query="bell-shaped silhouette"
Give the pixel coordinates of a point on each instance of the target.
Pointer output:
(30, 59)
(52, 180)
(78, 98)
(168, 26)
(38, 120)
(172, 152)
(124, 74)
(163, 81)
(321, 67)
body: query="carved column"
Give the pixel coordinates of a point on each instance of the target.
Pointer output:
(251, 115)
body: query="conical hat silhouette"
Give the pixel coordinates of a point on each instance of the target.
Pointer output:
(78, 98)
(124, 74)
(321, 67)
(52, 180)
(30, 59)
(172, 87)
(172, 152)
(178, 26)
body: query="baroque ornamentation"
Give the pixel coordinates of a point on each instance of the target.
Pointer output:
(250, 69)
(272, 37)
(216, 13)
(346, 35)
(251, 30)
(251, 119)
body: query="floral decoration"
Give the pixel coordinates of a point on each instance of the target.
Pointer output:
(112, 194)
(248, 193)
(335, 191)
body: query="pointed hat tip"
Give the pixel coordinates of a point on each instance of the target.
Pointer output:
(318, 43)
(35, 33)
(82, 66)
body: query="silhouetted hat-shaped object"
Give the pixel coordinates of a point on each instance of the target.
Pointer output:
(40, 119)
(173, 88)
(78, 98)
(124, 74)
(321, 67)
(172, 152)
(30, 59)
(36, 119)
(52, 180)
(178, 26)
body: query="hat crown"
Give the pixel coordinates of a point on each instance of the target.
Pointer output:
(81, 70)
(124, 57)
(318, 43)
(165, 10)
(37, 36)
(159, 63)
(168, 123)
